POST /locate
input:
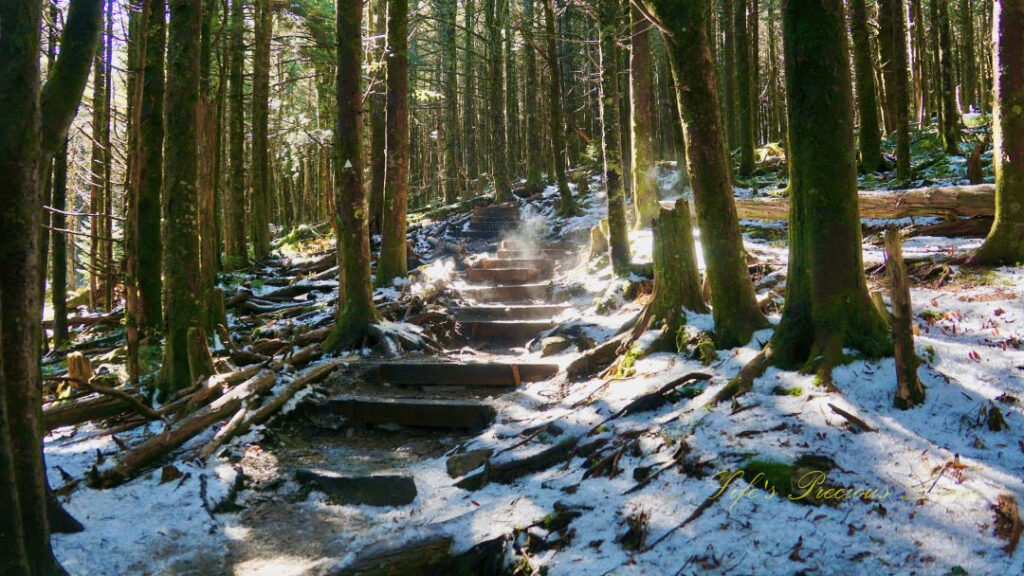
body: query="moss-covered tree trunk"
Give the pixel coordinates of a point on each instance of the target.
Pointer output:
(496, 101)
(827, 303)
(609, 15)
(151, 154)
(209, 239)
(734, 303)
(677, 286)
(261, 201)
(449, 63)
(892, 40)
(533, 136)
(236, 236)
(378, 115)
(728, 58)
(469, 114)
(96, 180)
(568, 203)
(1005, 242)
(356, 311)
(950, 112)
(744, 90)
(183, 304)
(644, 189)
(393, 261)
(969, 94)
(869, 137)
(33, 125)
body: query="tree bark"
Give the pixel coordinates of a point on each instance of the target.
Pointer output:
(869, 138)
(950, 112)
(355, 299)
(534, 154)
(568, 203)
(892, 40)
(734, 304)
(1005, 243)
(378, 121)
(609, 18)
(744, 91)
(969, 93)
(449, 63)
(260, 131)
(148, 240)
(827, 303)
(183, 304)
(393, 261)
(237, 248)
(909, 390)
(677, 286)
(496, 102)
(645, 196)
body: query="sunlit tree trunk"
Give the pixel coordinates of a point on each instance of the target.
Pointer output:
(609, 16)
(645, 198)
(260, 125)
(568, 203)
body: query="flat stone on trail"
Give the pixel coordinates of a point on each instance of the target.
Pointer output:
(361, 490)
(415, 412)
(462, 464)
(553, 345)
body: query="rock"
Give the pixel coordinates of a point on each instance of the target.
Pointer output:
(364, 490)
(553, 345)
(461, 464)
(169, 473)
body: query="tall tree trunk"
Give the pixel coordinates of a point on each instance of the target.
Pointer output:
(183, 305)
(568, 203)
(469, 116)
(355, 299)
(892, 39)
(452, 182)
(734, 304)
(609, 16)
(59, 262)
(645, 196)
(393, 261)
(96, 180)
(827, 303)
(870, 138)
(108, 188)
(920, 62)
(950, 113)
(969, 94)
(744, 91)
(378, 114)
(260, 137)
(237, 249)
(728, 57)
(534, 154)
(34, 126)
(1005, 242)
(209, 241)
(496, 101)
(148, 241)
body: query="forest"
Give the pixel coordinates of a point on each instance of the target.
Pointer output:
(511, 287)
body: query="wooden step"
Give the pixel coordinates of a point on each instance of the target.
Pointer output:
(519, 245)
(508, 332)
(470, 374)
(525, 312)
(503, 275)
(538, 263)
(479, 234)
(413, 412)
(494, 225)
(510, 211)
(553, 254)
(515, 293)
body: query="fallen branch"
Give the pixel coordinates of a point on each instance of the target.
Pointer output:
(853, 420)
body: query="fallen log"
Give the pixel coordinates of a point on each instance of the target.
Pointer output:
(216, 385)
(157, 446)
(944, 201)
(58, 414)
(112, 319)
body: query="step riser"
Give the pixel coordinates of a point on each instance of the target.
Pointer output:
(515, 334)
(503, 276)
(516, 245)
(538, 263)
(470, 375)
(507, 293)
(413, 412)
(532, 254)
(483, 313)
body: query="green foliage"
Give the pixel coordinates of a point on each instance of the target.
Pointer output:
(795, 391)
(769, 475)
(626, 366)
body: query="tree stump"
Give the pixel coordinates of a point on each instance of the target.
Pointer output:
(909, 390)
(216, 311)
(598, 242)
(79, 368)
(200, 362)
(677, 284)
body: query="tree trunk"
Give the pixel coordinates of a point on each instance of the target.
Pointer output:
(609, 17)
(950, 113)
(677, 285)
(892, 40)
(568, 203)
(645, 195)
(469, 116)
(744, 91)
(734, 303)
(496, 102)
(393, 262)
(728, 56)
(827, 303)
(237, 249)
(969, 93)
(59, 263)
(149, 315)
(870, 138)
(1005, 243)
(183, 305)
(378, 114)
(355, 299)
(534, 155)
(260, 138)
(452, 181)
(34, 126)
(96, 181)
(209, 241)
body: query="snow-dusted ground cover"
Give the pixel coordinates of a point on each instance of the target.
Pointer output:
(927, 477)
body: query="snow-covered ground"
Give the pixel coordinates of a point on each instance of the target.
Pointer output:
(928, 477)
